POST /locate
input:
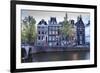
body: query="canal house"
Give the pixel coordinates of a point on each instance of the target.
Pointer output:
(54, 33)
(42, 33)
(80, 30)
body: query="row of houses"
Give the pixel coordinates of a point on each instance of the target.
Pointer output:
(50, 35)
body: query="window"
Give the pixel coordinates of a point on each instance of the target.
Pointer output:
(56, 32)
(50, 44)
(57, 43)
(49, 27)
(53, 32)
(55, 28)
(81, 32)
(50, 32)
(42, 32)
(38, 32)
(42, 37)
(53, 38)
(80, 28)
(45, 32)
(57, 37)
(80, 39)
(42, 27)
(50, 38)
(38, 37)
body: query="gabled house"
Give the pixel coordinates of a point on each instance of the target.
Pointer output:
(80, 30)
(53, 33)
(42, 33)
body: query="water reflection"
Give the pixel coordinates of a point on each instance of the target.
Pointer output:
(57, 56)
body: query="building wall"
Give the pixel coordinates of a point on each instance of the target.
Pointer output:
(42, 33)
(80, 32)
(87, 34)
(53, 33)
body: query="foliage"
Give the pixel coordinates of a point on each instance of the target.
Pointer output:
(28, 30)
(67, 29)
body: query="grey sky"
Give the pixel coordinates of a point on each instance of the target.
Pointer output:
(38, 15)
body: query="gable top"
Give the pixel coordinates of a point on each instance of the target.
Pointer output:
(53, 19)
(42, 22)
(80, 22)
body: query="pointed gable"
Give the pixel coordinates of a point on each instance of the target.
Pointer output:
(42, 22)
(80, 22)
(53, 20)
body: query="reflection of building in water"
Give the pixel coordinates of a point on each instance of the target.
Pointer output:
(75, 56)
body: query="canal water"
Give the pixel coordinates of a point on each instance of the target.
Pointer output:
(57, 56)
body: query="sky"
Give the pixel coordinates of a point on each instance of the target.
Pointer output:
(38, 15)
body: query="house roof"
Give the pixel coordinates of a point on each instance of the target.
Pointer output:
(53, 19)
(42, 22)
(80, 23)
